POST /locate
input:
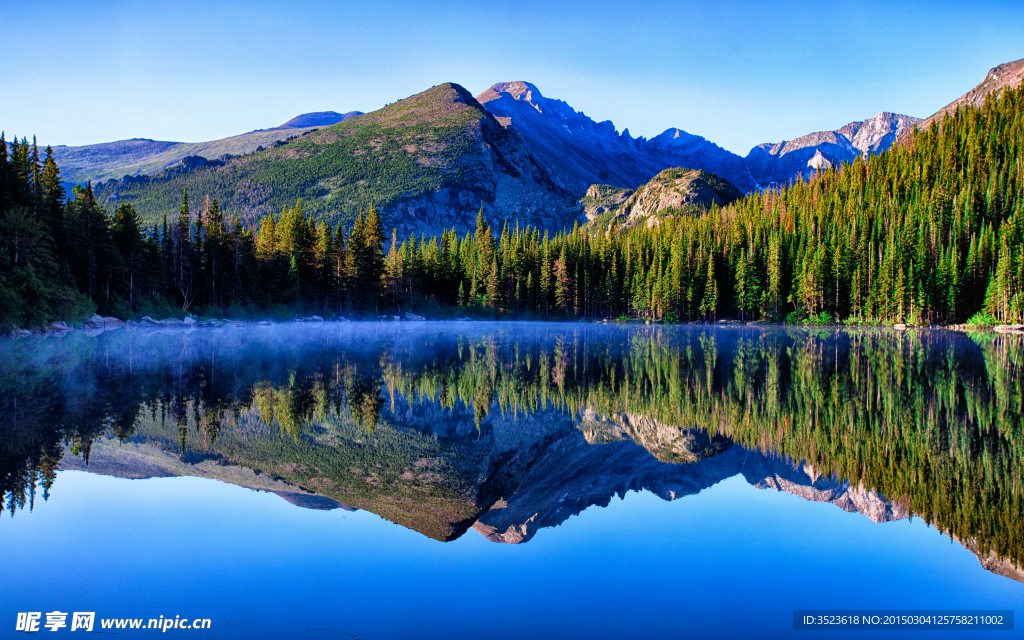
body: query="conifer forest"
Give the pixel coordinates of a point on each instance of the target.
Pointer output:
(929, 232)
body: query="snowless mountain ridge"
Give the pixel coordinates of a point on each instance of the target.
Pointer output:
(581, 149)
(575, 151)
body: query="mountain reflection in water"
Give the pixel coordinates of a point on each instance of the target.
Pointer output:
(510, 428)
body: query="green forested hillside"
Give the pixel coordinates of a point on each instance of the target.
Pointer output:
(415, 146)
(931, 231)
(928, 232)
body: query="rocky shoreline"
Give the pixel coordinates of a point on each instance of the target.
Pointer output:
(99, 324)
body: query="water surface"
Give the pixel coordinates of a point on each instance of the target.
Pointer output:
(447, 480)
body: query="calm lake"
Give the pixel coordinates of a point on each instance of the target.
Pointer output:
(509, 480)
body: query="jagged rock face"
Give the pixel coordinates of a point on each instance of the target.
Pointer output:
(879, 133)
(530, 160)
(536, 471)
(610, 456)
(779, 163)
(550, 158)
(496, 171)
(670, 443)
(685, 191)
(580, 152)
(819, 162)
(579, 470)
(500, 174)
(601, 199)
(577, 151)
(1005, 75)
(666, 442)
(992, 562)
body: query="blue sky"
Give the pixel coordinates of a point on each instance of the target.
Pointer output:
(737, 73)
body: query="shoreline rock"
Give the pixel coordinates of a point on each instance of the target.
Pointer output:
(1009, 328)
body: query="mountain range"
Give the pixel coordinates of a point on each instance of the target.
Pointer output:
(431, 160)
(140, 156)
(427, 162)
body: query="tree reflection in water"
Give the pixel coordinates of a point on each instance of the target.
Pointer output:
(431, 425)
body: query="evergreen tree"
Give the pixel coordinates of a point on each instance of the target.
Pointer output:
(126, 236)
(709, 303)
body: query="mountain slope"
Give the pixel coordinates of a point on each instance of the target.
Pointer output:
(520, 155)
(781, 162)
(318, 119)
(1005, 75)
(140, 156)
(580, 152)
(427, 163)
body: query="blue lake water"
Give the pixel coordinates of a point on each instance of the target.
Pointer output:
(464, 507)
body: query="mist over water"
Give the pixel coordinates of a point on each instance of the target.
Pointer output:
(516, 430)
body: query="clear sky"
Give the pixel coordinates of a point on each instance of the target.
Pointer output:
(737, 73)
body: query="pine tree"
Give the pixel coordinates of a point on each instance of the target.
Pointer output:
(183, 277)
(374, 257)
(563, 284)
(546, 274)
(709, 303)
(126, 236)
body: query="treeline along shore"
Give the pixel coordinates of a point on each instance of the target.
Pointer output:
(929, 232)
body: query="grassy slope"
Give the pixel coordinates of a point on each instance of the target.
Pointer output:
(416, 145)
(114, 160)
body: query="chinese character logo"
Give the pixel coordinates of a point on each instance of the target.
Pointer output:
(56, 620)
(28, 621)
(83, 620)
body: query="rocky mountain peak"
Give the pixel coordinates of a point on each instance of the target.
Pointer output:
(505, 98)
(778, 163)
(819, 162)
(581, 152)
(517, 90)
(676, 138)
(577, 150)
(878, 133)
(1007, 73)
